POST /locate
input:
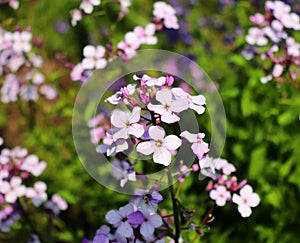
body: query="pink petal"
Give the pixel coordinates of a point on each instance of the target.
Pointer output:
(101, 63)
(122, 133)
(119, 118)
(221, 201)
(254, 200)
(237, 199)
(89, 51)
(159, 109)
(213, 194)
(246, 191)
(169, 118)
(172, 142)
(198, 108)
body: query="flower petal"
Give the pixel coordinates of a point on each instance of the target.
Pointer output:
(136, 130)
(145, 147)
(147, 229)
(244, 210)
(135, 115)
(164, 96)
(172, 142)
(157, 132)
(113, 217)
(162, 156)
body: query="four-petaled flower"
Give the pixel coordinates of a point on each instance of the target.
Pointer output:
(199, 147)
(220, 195)
(169, 106)
(127, 123)
(125, 219)
(13, 189)
(94, 57)
(246, 200)
(159, 145)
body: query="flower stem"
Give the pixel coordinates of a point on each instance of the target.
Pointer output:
(175, 209)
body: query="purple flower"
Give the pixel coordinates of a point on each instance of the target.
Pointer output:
(148, 200)
(151, 221)
(124, 219)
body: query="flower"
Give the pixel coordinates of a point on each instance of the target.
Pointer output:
(159, 145)
(13, 189)
(150, 81)
(76, 15)
(246, 200)
(168, 106)
(127, 124)
(124, 219)
(57, 204)
(167, 13)
(111, 147)
(256, 36)
(94, 57)
(220, 195)
(130, 44)
(208, 167)
(32, 165)
(151, 221)
(199, 147)
(146, 36)
(21, 41)
(123, 171)
(148, 200)
(88, 5)
(222, 164)
(37, 193)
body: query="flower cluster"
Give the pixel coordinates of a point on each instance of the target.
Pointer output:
(136, 220)
(16, 55)
(97, 57)
(12, 3)
(223, 185)
(272, 38)
(147, 128)
(86, 7)
(17, 167)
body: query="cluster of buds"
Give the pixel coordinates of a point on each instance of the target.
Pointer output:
(273, 39)
(17, 168)
(97, 57)
(21, 69)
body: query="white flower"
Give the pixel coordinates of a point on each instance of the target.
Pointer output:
(159, 145)
(168, 106)
(127, 122)
(88, 5)
(21, 41)
(94, 57)
(195, 102)
(37, 193)
(246, 200)
(256, 37)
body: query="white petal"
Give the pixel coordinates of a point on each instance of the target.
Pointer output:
(172, 142)
(237, 199)
(145, 147)
(162, 156)
(179, 105)
(244, 210)
(164, 96)
(159, 109)
(135, 115)
(192, 138)
(136, 130)
(119, 118)
(169, 118)
(89, 51)
(157, 132)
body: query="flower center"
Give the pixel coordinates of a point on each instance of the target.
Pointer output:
(158, 143)
(166, 106)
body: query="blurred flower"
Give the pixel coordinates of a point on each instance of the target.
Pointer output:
(220, 195)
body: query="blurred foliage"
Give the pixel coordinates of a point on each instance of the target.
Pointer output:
(262, 119)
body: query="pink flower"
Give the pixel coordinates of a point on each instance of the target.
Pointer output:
(277, 70)
(48, 91)
(222, 164)
(94, 57)
(32, 165)
(159, 145)
(150, 81)
(195, 102)
(146, 36)
(37, 193)
(167, 13)
(246, 200)
(88, 5)
(21, 41)
(130, 44)
(169, 106)
(199, 147)
(76, 15)
(13, 189)
(127, 123)
(256, 37)
(220, 195)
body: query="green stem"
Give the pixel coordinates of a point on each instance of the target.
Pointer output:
(175, 209)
